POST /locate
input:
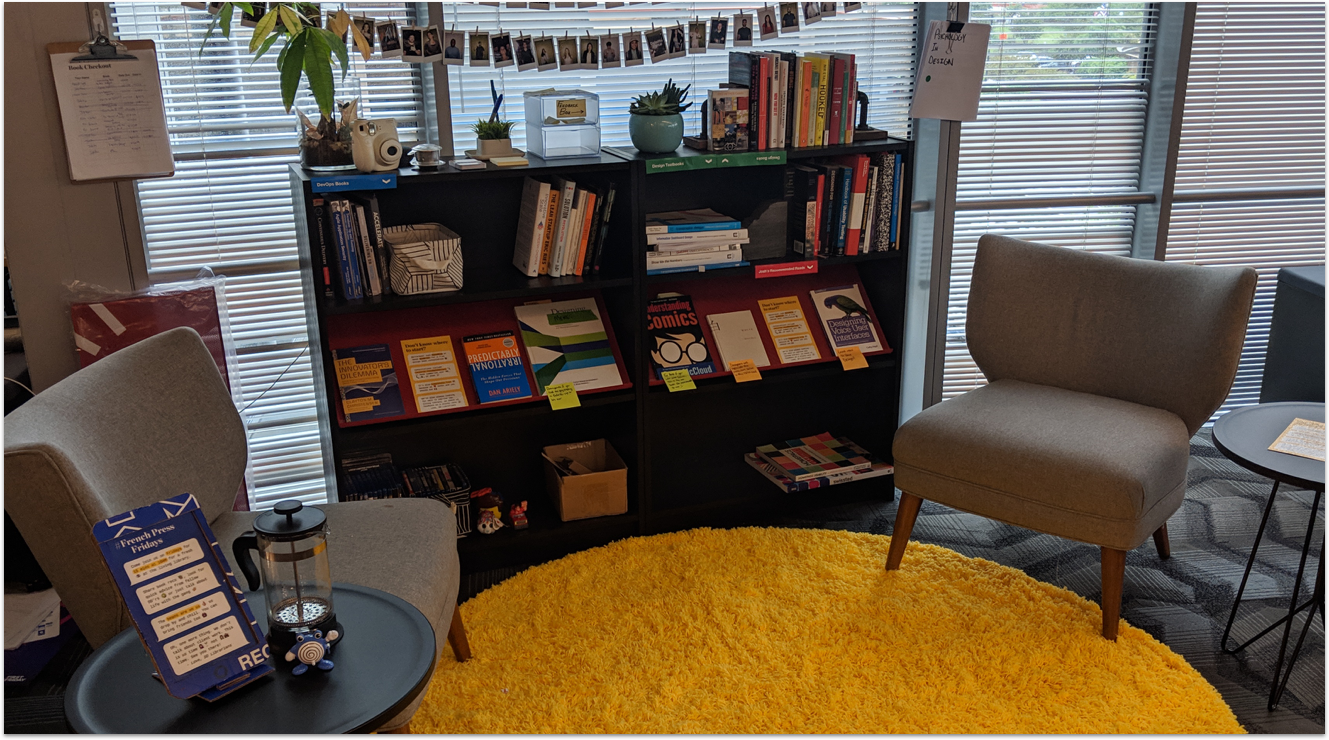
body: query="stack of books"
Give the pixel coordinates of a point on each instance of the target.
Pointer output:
(846, 205)
(370, 476)
(691, 241)
(349, 234)
(562, 227)
(816, 462)
(792, 101)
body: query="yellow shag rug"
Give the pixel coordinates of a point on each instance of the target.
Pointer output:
(796, 631)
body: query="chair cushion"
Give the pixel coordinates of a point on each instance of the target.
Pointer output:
(1089, 468)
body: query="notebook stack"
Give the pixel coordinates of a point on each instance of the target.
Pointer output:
(692, 241)
(815, 462)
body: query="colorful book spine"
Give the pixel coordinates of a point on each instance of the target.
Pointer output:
(805, 107)
(345, 239)
(551, 222)
(842, 215)
(837, 100)
(321, 233)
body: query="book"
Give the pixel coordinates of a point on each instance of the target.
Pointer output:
(830, 206)
(323, 236)
(777, 476)
(763, 65)
(844, 315)
(896, 202)
(597, 217)
(857, 198)
(775, 139)
(531, 227)
(497, 371)
(573, 235)
(676, 339)
(666, 242)
(845, 195)
(870, 205)
(736, 338)
(344, 238)
(728, 111)
(803, 210)
(835, 127)
(567, 189)
(551, 222)
(431, 366)
(604, 228)
(656, 260)
(367, 382)
(813, 457)
(789, 330)
(821, 101)
(806, 82)
(382, 254)
(509, 161)
(699, 219)
(584, 233)
(882, 199)
(697, 268)
(566, 342)
(373, 278)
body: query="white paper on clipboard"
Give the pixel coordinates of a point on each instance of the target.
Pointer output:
(950, 72)
(113, 115)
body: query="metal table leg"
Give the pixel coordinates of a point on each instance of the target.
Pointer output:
(1259, 535)
(1316, 602)
(1277, 692)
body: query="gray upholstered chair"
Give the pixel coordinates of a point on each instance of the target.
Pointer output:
(155, 420)
(1099, 369)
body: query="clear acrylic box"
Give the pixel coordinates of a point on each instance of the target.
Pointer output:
(562, 123)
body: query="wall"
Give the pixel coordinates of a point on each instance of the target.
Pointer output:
(56, 231)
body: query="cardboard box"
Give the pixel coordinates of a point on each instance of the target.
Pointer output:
(601, 492)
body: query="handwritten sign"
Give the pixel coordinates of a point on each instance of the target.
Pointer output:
(562, 396)
(678, 380)
(744, 370)
(950, 71)
(851, 358)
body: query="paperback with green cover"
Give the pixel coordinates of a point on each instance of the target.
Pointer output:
(566, 342)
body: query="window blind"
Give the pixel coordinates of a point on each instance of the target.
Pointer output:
(882, 36)
(1061, 116)
(1253, 124)
(229, 208)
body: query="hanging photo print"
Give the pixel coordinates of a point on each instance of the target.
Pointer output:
(677, 42)
(567, 54)
(525, 51)
(502, 50)
(412, 44)
(812, 12)
(454, 45)
(546, 58)
(389, 39)
(479, 47)
(539, 6)
(366, 28)
(828, 10)
(655, 39)
(852, 6)
(742, 29)
(788, 17)
(433, 49)
(610, 53)
(632, 49)
(697, 37)
(719, 33)
(590, 52)
(767, 18)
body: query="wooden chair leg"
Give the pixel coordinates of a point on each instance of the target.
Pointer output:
(1114, 572)
(1161, 543)
(905, 514)
(457, 637)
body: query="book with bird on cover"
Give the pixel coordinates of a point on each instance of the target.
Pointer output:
(844, 316)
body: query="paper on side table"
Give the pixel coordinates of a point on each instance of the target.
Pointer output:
(1301, 438)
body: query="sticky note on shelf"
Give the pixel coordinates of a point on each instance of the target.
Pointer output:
(678, 380)
(851, 358)
(744, 370)
(562, 396)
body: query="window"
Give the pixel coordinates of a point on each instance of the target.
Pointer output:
(1061, 119)
(1250, 168)
(228, 207)
(880, 34)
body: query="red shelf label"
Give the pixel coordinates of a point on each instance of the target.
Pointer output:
(786, 269)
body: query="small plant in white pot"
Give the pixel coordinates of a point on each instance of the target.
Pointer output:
(493, 138)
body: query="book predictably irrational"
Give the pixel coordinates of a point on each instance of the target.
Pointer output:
(367, 382)
(676, 338)
(496, 367)
(567, 343)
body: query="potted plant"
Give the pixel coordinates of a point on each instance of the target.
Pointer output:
(493, 138)
(656, 123)
(306, 53)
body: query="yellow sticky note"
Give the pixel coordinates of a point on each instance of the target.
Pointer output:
(744, 370)
(678, 380)
(851, 358)
(562, 396)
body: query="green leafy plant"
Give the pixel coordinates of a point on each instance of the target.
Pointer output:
(667, 102)
(306, 50)
(493, 129)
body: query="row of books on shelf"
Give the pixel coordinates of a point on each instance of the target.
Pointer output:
(562, 227)
(349, 239)
(781, 100)
(816, 462)
(846, 205)
(373, 476)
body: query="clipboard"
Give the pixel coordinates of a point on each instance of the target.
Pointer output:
(111, 109)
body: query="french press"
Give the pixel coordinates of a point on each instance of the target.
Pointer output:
(292, 544)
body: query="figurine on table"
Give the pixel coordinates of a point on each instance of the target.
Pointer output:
(518, 514)
(490, 505)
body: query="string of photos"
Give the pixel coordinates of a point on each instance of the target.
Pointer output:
(584, 51)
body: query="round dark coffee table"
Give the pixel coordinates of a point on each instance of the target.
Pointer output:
(1244, 437)
(382, 664)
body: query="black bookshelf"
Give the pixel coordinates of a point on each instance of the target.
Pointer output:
(684, 450)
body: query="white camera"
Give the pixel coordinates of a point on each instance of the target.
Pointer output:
(374, 145)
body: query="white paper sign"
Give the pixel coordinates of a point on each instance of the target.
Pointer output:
(950, 72)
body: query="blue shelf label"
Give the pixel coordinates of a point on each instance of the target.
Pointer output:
(339, 183)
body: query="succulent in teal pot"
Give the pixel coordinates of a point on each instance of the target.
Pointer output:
(656, 123)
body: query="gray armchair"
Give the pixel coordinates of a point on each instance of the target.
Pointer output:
(1099, 369)
(155, 420)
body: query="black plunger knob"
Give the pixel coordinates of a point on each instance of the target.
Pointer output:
(288, 509)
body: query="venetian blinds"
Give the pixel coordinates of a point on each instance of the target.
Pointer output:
(880, 34)
(228, 207)
(1250, 169)
(1061, 119)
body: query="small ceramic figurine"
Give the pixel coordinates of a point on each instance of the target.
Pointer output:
(490, 505)
(518, 514)
(311, 649)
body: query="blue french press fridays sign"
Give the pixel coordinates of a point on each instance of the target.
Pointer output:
(186, 604)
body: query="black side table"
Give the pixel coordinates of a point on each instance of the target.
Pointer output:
(382, 664)
(1244, 437)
